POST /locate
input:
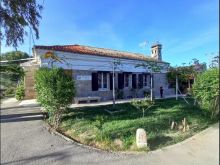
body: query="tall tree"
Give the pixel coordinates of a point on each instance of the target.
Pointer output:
(15, 17)
(214, 62)
(13, 55)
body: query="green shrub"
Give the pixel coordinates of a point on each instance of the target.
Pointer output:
(206, 90)
(19, 94)
(55, 91)
(10, 91)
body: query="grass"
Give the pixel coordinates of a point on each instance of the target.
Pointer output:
(94, 126)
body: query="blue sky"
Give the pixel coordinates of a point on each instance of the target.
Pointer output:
(187, 29)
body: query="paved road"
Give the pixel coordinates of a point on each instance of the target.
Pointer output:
(25, 140)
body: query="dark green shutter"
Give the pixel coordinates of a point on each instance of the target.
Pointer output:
(95, 85)
(134, 81)
(140, 81)
(120, 81)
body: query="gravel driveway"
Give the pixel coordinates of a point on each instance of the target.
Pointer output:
(25, 140)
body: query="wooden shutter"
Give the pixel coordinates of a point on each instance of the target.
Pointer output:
(95, 85)
(140, 81)
(111, 82)
(120, 81)
(134, 81)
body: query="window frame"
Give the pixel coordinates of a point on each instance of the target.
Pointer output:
(101, 86)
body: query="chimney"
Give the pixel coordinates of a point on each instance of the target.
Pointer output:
(156, 51)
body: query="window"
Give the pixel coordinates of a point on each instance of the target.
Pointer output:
(145, 80)
(120, 80)
(126, 80)
(140, 81)
(134, 83)
(102, 80)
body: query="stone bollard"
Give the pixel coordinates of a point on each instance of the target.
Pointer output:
(141, 138)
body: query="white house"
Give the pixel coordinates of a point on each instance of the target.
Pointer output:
(92, 69)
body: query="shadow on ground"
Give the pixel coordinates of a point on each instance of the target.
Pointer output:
(157, 141)
(61, 156)
(18, 107)
(21, 117)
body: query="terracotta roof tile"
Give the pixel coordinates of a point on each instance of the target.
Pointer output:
(96, 51)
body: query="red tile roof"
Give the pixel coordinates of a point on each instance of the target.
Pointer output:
(88, 50)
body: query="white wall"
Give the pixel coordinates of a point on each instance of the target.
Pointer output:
(91, 62)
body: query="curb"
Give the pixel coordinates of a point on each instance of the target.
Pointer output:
(131, 152)
(63, 136)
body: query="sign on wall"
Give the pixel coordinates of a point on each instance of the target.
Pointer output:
(83, 77)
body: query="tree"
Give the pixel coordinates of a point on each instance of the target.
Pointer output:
(16, 16)
(206, 90)
(11, 75)
(214, 62)
(13, 55)
(185, 74)
(142, 105)
(14, 70)
(115, 65)
(55, 91)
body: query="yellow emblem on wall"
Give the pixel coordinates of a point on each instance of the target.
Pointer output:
(51, 55)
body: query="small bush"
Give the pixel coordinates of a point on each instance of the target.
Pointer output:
(55, 91)
(142, 105)
(10, 91)
(19, 94)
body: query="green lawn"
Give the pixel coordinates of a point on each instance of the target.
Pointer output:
(94, 126)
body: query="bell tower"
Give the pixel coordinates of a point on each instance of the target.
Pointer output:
(156, 51)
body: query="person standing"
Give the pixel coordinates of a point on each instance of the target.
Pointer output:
(161, 92)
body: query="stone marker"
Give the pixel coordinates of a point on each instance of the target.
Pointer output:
(141, 138)
(172, 125)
